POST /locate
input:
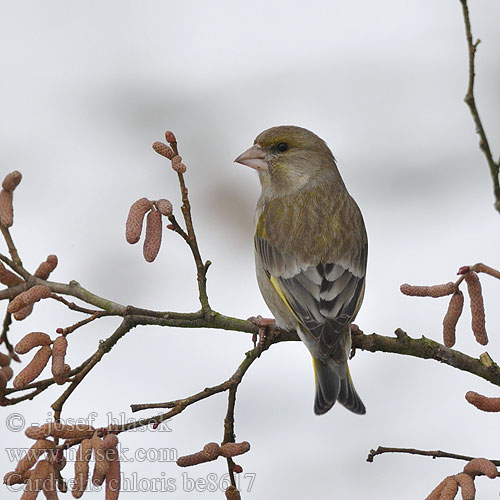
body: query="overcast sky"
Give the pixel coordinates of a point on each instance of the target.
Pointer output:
(86, 88)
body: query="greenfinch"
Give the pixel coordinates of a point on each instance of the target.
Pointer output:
(310, 253)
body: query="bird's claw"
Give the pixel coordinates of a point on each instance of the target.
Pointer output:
(263, 324)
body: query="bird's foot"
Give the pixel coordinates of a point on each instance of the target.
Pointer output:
(354, 329)
(263, 324)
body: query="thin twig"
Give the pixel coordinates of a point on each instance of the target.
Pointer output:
(428, 453)
(471, 102)
(201, 267)
(5, 337)
(16, 264)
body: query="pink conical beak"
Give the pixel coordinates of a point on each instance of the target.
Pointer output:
(253, 157)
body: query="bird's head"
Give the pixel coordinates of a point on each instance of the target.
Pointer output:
(288, 158)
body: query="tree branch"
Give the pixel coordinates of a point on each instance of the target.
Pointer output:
(471, 102)
(432, 453)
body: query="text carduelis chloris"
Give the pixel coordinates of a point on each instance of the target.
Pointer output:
(310, 253)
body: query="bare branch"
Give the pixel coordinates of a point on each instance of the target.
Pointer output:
(471, 102)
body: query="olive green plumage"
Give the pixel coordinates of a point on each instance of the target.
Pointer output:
(310, 252)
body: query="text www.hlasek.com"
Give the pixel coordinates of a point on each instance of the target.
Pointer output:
(210, 483)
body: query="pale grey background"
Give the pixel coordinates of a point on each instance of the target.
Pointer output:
(86, 88)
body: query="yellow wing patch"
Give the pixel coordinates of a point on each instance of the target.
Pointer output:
(279, 291)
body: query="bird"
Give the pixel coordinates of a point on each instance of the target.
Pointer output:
(311, 252)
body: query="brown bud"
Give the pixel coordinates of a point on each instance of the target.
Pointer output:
(101, 460)
(451, 317)
(152, 242)
(177, 164)
(479, 466)
(164, 207)
(6, 208)
(9, 278)
(237, 469)
(58, 354)
(83, 456)
(113, 475)
(46, 267)
(170, 137)
(133, 227)
(482, 402)
(163, 150)
(467, 487)
(40, 447)
(29, 297)
(476, 307)
(428, 291)
(7, 372)
(4, 359)
(23, 313)
(232, 449)
(33, 368)
(210, 452)
(232, 493)
(12, 180)
(14, 477)
(37, 480)
(31, 340)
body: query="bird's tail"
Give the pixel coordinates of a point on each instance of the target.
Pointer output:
(334, 383)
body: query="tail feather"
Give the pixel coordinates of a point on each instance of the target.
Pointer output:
(334, 383)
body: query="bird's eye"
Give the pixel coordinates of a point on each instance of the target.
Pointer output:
(282, 146)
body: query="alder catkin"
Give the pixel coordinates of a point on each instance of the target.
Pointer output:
(31, 340)
(8, 277)
(450, 489)
(152, 242)
(40, 447)
(210, 452)
(428, 291)
(163, 150)
(177, 164)
(164, 207)
(7, 372)
(12, 180)
(6, 208)
(50, 485)
(46, 267)
(101, 460)
(58, 354)
(37, 480)
(3, 383)
(23, 313)
(481, 466)
(476, 307)
(63, 431)
(4, 359)
(83, 456)
(451, 318)
(13, 477)
(483, 402)
(34, 367)
(113, 475)
(29, 297)
(232, 449)
(133, 226)
(467, 487)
